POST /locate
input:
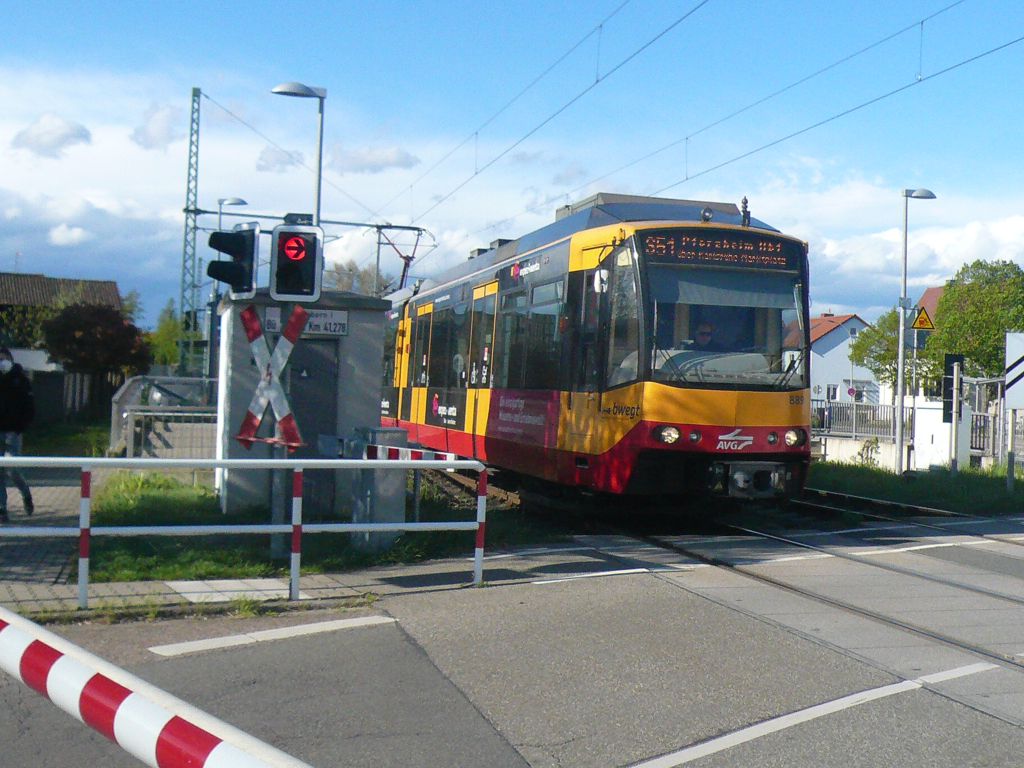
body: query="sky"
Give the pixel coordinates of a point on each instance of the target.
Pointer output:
(476, 121)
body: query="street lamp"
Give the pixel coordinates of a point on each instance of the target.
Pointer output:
(221, 202)
(305, 92)
(917, 194)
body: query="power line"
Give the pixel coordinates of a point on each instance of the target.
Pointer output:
(917, 81)
(476, 131)
(564, 107)
(274, 144)
(849, 57)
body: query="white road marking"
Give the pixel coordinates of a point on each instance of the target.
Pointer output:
(919, 547)
(266, 635)
(752, 732)
(666, 568)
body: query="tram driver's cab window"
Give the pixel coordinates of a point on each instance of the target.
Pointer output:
(724, 327)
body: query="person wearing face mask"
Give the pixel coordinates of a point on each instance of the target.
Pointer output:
(17, 408)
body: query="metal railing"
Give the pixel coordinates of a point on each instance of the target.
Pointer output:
(185, 432)
(152, 395)
(842, 419)
(84, 531)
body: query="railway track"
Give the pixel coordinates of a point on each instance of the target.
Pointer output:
(874, 559)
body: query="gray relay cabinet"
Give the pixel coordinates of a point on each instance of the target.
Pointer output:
(332, 380)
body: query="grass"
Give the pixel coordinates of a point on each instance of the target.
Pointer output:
(971, 491)
(70, 438)
(152, 499)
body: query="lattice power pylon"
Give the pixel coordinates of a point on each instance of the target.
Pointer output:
(189, 300)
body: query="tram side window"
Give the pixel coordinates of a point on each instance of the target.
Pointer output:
(441, 348)
(510, 350)
(544, 340)
(624, 330)
(458, 376)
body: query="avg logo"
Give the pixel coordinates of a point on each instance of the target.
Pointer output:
(734, 441)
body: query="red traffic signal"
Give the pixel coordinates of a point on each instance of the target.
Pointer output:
(296, 263)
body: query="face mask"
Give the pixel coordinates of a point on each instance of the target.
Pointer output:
(5, 366)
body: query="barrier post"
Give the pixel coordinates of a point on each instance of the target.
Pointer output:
(296, 561)
(481, 521)
(84, 512)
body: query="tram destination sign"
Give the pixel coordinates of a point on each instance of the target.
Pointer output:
(721, 248)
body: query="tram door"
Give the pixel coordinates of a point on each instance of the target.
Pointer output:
(480, 364)
(415, 411)
(584, 300)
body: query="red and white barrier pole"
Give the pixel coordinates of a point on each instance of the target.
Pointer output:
(293, 584)
(481, 521)
(155, 727)
(84, 511)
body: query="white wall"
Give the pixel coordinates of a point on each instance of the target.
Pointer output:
(830, 365)
(931, 447)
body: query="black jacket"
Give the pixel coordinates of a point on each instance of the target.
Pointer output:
(17, 407)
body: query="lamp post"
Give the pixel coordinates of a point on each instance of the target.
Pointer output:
(305, 92)
(917, 194)
(221, 202)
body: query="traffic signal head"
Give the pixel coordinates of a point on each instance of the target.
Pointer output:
(296, 263)
(240, 273)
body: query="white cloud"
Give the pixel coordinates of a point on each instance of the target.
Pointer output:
(370, 159)
(50, 135)
(161, 126)
(64, 235)
(277, 160)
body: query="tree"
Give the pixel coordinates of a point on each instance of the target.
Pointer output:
(22, 326)
(131, 307)
(877, 346)
(979, 305)
(95, 338)
(349, 276)
(165, 339)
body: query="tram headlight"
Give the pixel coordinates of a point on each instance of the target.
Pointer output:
(795, 437)
(667, 435)
(773, 438)
(695, 436)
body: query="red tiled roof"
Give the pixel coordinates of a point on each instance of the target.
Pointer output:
(825, 324)
(930, 300)
(21, 290)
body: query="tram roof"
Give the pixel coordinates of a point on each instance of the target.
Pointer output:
(600, 210)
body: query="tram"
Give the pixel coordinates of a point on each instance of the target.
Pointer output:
(636, 345)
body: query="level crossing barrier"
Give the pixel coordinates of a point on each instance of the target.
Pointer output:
(159, 729)
(85, 531)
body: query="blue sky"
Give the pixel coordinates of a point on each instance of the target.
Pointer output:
(95, 99)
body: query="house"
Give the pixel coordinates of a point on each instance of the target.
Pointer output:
(833, 374)
(57, 393)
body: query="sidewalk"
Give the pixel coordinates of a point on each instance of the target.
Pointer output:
(34, 572)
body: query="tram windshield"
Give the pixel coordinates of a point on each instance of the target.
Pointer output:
(728, 327)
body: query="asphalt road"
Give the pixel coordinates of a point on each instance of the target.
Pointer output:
(606, 671)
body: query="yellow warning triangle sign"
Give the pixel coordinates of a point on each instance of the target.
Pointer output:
(922, 322)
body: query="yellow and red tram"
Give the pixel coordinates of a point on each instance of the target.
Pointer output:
(579, 353)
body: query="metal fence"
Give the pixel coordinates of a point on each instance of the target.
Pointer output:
(186, 432)
(167, 417)
(84, 531)
(841, 419)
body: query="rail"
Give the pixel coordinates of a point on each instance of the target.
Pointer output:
(84, 531)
